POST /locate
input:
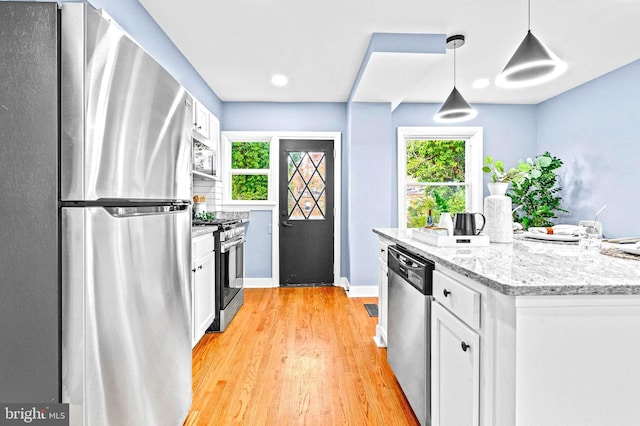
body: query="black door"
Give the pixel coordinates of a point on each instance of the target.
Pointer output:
(306, 212)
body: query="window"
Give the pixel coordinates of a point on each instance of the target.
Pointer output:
(438, 169)
(250, 170)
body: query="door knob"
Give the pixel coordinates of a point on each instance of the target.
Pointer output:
(287, 224)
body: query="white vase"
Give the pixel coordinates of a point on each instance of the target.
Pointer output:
(446, 222)
(497, 188)
(497, 211)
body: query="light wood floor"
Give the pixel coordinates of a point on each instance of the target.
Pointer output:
(296, 356)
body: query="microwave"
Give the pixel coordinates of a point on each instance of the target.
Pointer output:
(204, 158)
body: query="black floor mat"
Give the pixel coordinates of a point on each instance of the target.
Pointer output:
(372, 309)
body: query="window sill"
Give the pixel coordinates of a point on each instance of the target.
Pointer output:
(249, 205)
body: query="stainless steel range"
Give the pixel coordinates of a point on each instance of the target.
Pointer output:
(229, 282)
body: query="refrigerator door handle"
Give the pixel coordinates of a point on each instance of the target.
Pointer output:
(144, 210)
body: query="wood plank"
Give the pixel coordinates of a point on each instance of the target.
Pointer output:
(296, 356)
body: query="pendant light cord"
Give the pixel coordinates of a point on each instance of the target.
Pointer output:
(529, 21)
(455, 45)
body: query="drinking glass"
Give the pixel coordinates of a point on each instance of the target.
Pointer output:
(590, 239)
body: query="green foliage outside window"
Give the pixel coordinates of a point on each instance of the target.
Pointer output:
(430, 161)
(250, 155)
(436, 160)
(249, 187)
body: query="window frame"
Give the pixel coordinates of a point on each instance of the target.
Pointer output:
(228, 139)
(473, 137)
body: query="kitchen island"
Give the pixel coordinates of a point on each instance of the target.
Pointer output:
(553, 331)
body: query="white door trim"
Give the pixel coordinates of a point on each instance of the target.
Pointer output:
(336, 137)
(274, 180)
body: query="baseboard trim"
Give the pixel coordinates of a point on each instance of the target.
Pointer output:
(362, 291)
(259, 283)
(342, 282)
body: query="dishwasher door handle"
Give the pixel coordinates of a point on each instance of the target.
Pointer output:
(405, 261)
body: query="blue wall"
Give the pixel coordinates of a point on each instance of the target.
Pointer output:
(372, 153)
(595, 130)
(275, 116)
(509, 134)
(509, 131)
(257, 248)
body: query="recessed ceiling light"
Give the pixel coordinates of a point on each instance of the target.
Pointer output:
(481, 83)
(279, 80)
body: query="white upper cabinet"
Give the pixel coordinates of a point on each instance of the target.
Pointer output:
(206, 143)
(201, 121)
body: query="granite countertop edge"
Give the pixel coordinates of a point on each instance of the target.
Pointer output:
(499, 284)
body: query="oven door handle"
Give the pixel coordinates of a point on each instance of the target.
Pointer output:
(224, 247)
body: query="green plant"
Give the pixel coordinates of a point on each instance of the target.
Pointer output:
(498, 174)
(536, 195)
(441, 202)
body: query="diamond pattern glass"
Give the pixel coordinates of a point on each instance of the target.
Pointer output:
(307, 195)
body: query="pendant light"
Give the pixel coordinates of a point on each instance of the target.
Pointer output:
(455, 108)
(532, 63)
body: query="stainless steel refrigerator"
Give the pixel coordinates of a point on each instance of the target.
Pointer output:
(95, 163)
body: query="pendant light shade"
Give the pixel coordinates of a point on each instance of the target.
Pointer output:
(455, 108)
(532, 63)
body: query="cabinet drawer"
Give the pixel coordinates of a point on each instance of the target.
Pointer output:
(458, 298)
(201, 246)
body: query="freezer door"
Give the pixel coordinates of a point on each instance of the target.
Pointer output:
(126, 315)
(126, 122)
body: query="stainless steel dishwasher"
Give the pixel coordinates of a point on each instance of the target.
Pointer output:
(409, 325)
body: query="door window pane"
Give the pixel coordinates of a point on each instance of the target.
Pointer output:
(306, 195)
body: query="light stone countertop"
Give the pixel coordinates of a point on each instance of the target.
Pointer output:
(196, 231)
(531, 268)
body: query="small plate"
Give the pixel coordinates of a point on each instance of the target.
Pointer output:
(552, 237)
(630, 250)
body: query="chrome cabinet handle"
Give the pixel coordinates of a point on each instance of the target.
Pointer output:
(446, 293)
(465, 346)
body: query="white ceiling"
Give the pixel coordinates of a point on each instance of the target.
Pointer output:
(237, 45)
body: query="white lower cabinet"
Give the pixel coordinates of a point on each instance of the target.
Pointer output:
(455, 370)
(203, 290)
(383, 289)
(532, 360)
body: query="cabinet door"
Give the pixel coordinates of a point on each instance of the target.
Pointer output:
(203, 306)
(214, 137)
(455, 370)
(201, 121)
(383, 289)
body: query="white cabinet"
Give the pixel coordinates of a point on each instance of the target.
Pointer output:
(455, 375)
(201, 121)
(383, 290)
(206, 143)
(203, 294)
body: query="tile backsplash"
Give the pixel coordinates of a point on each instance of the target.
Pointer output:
(212, 189)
